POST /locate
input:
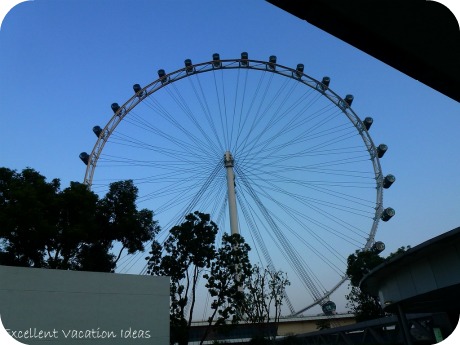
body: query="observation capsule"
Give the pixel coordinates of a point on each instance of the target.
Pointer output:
(84, 157)
(244, 58)
(324, 85)
(97, 130)
(188, 66)
(272, 62)
(136, 88)
(299, 70)
(329, 308)
(349, 99)
(216, 60)
(162, 75)
(381, 149)
(378, 247)
(368, 121)
(388, 181)
(387, 214)
(115, 107)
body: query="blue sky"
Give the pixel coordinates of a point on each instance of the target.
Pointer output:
(62, 63)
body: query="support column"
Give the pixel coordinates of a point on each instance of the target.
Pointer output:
(404, 326)
(229, 163)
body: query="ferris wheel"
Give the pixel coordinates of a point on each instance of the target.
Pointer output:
(266, 150)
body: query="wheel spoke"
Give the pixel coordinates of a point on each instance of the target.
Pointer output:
(308, 178)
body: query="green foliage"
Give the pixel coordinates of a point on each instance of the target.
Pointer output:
(265, 289)
(399, 251)
(189, 249)
(28, 214)
(360, 263)
(44, 226)
(226, 278)
(365, 306)
(120, 221)
(188, 252)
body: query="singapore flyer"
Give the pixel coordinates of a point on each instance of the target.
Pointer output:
(268, 151)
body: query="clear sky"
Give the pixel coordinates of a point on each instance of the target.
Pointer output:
(62, 63)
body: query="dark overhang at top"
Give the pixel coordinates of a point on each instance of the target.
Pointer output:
(417, 37)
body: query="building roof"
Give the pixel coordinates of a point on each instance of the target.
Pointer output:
(425, 278)
(419, 38)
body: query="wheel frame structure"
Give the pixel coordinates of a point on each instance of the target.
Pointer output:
(344, 104)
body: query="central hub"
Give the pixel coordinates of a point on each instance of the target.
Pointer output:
(228, 160)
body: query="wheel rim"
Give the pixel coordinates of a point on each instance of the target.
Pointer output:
(279, 126)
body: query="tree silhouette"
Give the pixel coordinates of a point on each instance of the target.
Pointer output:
(265, 289)
(43, 226)
(225, 281)
(189, 249)
(365, 306)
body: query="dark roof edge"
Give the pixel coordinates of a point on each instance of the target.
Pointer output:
(447, 236)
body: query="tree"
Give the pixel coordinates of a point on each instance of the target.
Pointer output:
(225, 281)
(398, 251)
(117, 213)
(189, 250)
(75, 229)
(360, 263)
(187, 253)
(365, 306)
(28, 215)
(43, 226)
(265, 290)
